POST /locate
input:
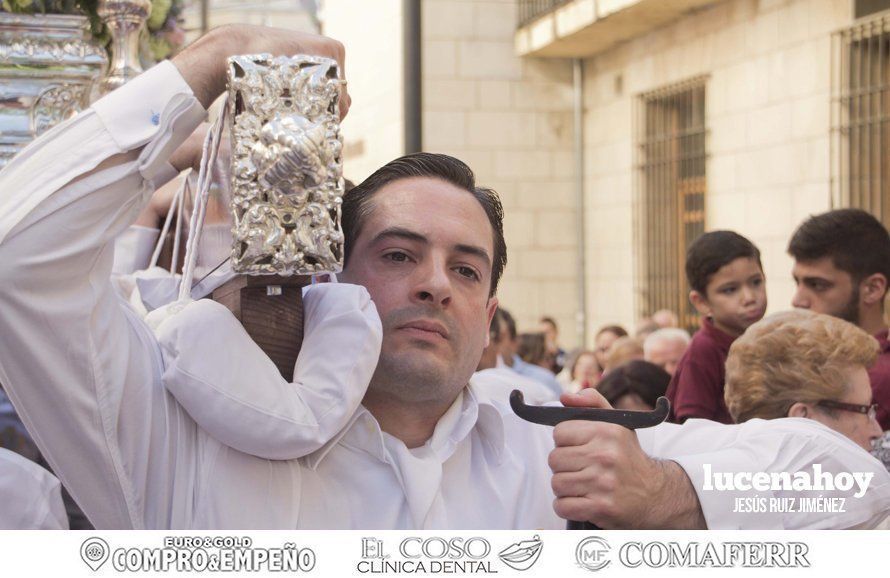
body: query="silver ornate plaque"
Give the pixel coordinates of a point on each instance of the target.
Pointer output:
(286, 168)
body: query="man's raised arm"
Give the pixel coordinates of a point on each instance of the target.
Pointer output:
(82, 370)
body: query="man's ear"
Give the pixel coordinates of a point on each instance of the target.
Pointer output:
(873, 289)
(492, 307)
(799, 410)
(700, 302)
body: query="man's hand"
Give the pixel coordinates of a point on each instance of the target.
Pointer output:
(203, 64)
(601, 475)
(188, 155)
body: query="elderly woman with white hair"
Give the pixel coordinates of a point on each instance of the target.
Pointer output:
(666, 347)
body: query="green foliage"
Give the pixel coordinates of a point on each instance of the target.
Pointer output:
(161, 11)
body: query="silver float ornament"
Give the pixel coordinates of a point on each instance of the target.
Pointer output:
(286, 168)
(124, 19)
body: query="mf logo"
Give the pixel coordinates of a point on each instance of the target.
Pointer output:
(593, 553)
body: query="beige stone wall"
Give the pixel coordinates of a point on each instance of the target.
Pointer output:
(279, 13)
(510, 119)
(372, 34)
(768, 93)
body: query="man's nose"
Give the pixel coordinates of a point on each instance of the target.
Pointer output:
(749, 294)
(433, 284)
(800, 299)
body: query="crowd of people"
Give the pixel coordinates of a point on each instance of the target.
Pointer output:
(814, 362)
(160, 413)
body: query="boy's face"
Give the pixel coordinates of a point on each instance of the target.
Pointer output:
(735, 296)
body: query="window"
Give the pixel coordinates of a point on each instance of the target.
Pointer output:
(671, 186)
(861, 118)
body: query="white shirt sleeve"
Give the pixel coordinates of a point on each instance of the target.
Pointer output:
(241, 398)
(133, 249)
(80, 367)
(781, 445)
(31, 496)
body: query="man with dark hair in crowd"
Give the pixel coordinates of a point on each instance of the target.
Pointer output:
(841, 268)
(499, 380)
(393, 435)
(603, 341)
(510, 357)
(551, 332)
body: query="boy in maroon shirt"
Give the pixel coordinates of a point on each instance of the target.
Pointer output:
(729, 291)
(841, 267)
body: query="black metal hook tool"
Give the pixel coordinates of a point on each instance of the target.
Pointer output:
(552, 415)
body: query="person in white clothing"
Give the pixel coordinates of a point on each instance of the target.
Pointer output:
(123, 415)
(499, 380)
(31, 497)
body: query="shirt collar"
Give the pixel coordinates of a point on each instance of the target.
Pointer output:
(469, 410)
(720, 337)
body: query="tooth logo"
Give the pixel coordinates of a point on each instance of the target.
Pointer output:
(94, 552)
(522, 555)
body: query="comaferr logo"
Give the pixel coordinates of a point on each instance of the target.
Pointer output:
(593, 553)
(711, 555)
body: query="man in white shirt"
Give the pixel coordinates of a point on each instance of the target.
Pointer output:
(414, 448)
(31, 497)
(499, 380)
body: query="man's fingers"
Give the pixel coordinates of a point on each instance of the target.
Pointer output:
(591, 480)
(580, 432)
(585, 509)
(588, 397)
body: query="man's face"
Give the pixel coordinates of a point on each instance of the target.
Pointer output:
(602, 345)
(823, 288)
(425, 255)
(550, 333)
(736, 296)
(666, 353)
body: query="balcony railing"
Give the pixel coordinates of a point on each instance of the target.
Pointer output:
(532, 9)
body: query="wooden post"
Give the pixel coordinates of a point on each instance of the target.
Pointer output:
(270, 307)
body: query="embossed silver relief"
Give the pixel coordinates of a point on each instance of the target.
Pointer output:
(286, 168)
(48, 66)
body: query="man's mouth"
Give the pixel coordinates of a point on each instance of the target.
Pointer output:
(424, 328)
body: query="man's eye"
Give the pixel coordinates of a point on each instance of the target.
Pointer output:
(468, 273)
(728, 290)
(397, 256)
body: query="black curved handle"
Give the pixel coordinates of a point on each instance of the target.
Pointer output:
(552, 415)
(547, 415)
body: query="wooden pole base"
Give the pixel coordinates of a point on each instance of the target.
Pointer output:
(270, 308)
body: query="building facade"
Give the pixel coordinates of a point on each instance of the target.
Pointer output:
(695, 115)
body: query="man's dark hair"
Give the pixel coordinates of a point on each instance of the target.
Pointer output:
(550, 321)
(357, 202)
(645, 379)
(532, 348)
(711, 251)
(509, 322)
(617, 330)
(856, 242)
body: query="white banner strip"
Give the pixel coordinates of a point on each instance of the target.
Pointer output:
(397, 553)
